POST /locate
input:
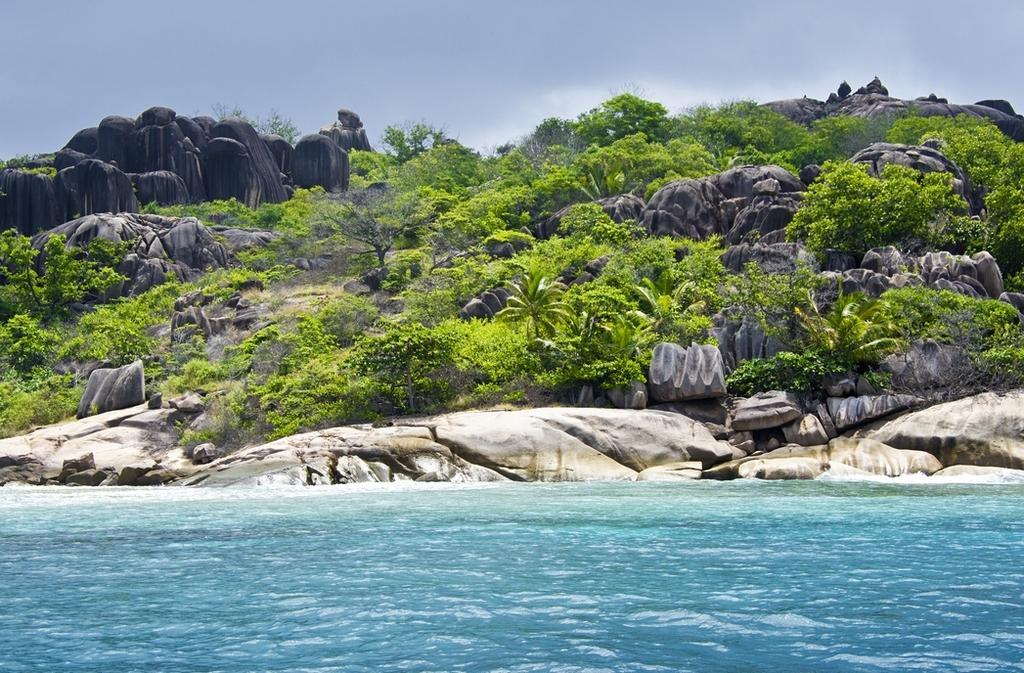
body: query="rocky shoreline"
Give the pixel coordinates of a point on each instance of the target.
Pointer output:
(982, 435)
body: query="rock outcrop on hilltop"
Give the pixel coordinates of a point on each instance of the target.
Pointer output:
(873, 100)
(348, 132)
(166, 158)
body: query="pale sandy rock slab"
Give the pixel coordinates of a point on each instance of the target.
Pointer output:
(982, 430)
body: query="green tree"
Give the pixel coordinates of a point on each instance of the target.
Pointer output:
(855, 329)
(622, 116)
(25, 344)
(536, 301)
(374, 217)
(848, 209)
(410, 140)
(407, 357)
(741, 127)
(69, 274)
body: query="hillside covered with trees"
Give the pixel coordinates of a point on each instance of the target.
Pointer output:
(862, 250)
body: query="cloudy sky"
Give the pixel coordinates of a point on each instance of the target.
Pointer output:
(485, 72)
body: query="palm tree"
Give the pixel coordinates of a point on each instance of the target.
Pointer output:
(537, 301)
(605, 178)
(854, 328)
(626, 338)
(663, 301)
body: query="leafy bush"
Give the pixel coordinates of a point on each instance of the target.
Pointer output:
(39, 401)
(588, 220)
(848, 209)
(347, 317)
(949, 317)
(406, 362)
(801, 372)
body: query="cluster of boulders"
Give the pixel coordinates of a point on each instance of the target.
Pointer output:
(198, 314)
(157, 248)
(135, 445)
(873, 100)
(166, 158)
(680, 376)
(736, 204)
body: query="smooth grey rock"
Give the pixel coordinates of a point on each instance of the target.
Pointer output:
(189, 403)
(984, 430)
(268, 176)
(159, 248)
(318, 162)
(805, 431)
(27, 202)
(633, 397)
(698, 208)
(111, 389)
(849, 412)
(678, 374)
(765, 410)
(90, 477)
(927, 365)
(682, 471)
(93, 186)
(206, 453)
(989, 274)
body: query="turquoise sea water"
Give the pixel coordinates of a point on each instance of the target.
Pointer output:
(737, 577)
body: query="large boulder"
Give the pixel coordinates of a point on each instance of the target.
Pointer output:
(985, 429)
(231, 173)
(576, 444)
(622, 207)
(271, 188)
(93, 186)
(842, 455)
(765, 216)
(161, 187)
(281, 150)
(744, 340)
(116, 439)
(84, 141)
(688, 208)
(319, 162)
(693, 373)
(771, 257)
(638, 440)
(112, 389)
(27, 202)
(766, 410)
(114, 140)
(849, 412)
(343, 455)
(927, 365)
(158, 140)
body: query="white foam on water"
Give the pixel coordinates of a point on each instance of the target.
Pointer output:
(995, 478)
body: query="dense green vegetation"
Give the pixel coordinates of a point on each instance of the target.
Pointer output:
(451, 224)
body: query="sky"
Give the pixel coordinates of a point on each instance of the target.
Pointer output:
(486, 72)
